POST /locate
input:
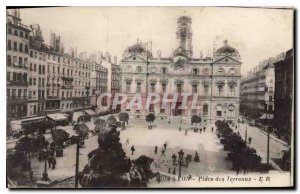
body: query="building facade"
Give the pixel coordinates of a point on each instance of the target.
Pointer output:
(257, 91)
(215, 80)
(17, 66)
(284, 92)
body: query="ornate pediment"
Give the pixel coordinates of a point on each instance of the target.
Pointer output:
(227, 60)
(163, 80)
(206, 82)
(220, 82)
(193, 82)
(232, 82)
(134, 58)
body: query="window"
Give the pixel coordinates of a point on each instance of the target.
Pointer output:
(26, 35)
(270, 108)
(206, 71)
(21, 34)
(232, 90)
(26, 48)
(128, 86)
(164, 70)
(40, 69)
(30, 81)
(138, 87)
(231, 71)
(20, 61)
(16, 33)
(231, 112)
(220, 90)
(31, 53)
(9, 31)
(194, 88)
(15, 60)
(194, 112)
(219, 110)
(9, 44)
(162, 110)
(152, 87)
(15, 46)
(8, 60)
(139, 69)
(220, 71)
(179, 90)
(34, 67)
(195, 71)
(205, 109)
(206, 88)
(8, 76)
(270, 98)
(164, 87)
(21, 47)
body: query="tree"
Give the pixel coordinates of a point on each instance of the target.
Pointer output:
(82, 130)
(100, 124)
(150, 118)
(60, 136)
(108, 165)
(196, 119)
(111, 120)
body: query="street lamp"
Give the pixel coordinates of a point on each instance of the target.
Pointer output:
(180, 154)
(45, 174)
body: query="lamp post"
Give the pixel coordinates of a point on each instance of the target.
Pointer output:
(45, 174)
(180, 154)
(77, 162)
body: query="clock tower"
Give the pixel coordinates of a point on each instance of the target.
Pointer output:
(184, 35)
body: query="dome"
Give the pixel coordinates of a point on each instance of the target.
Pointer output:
(137, 49)
(227, 50)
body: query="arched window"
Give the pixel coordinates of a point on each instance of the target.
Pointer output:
(194, 71)
(219, 110)
(232, 71)
(220, 71)
(231, 111)
(205, 71)
(139, 69)
(205, 109)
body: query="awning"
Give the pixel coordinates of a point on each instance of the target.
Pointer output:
(102, 110)
(90, 112)
(76, 115)
(18, 124)
(58, 116)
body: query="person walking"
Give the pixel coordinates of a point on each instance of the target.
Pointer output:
(200, 130)
(203, 129)
(174, 171)
(163, 152)
(53, 162)
(169, 170)
(165, 145)
(127, 141)
(249, 140)
(49, 161)
(185, 132)
(155, 150)
(212, 129)
(132, 149)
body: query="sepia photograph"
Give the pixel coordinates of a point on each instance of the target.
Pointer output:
(150, 97)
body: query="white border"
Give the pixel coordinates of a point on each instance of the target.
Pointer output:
(3, 4)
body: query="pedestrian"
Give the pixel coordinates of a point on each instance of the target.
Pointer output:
(165, 145)
(163, 152)
(132, 149)
(203, 129)
(155, 150)
(127, 141)
(169, 170)
(49, 161)
(174, 159)
(174, 171)
(185, 132)
(158, 177)
(200, 130)
(53, 162)
(179, 128)
(212, 129)
(249, 140)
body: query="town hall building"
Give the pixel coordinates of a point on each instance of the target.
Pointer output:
(216, 79)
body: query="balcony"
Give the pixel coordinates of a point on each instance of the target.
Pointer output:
(67, 78)
(17, 83)
(67, 87)
(17, 98)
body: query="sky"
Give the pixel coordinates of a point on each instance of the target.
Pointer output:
(256, 33)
